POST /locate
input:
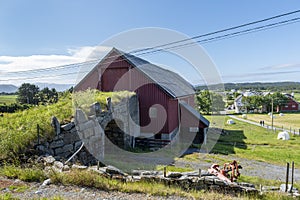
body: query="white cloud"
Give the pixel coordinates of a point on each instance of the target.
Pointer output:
(262, 76)
(282, 66)
(9, 65)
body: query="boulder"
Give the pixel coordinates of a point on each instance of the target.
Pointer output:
(113, 170)
(49, 160)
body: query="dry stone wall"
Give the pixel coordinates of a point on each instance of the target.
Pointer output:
(89, 128)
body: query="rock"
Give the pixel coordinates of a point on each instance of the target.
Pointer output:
(246, 184)
(174, 175)
(270, 188)
(56, 144)
(49, 160)
(79, 167)
(48, 170)
(46, 182)
(282, 188)
(55, 124)
(38, 192)
(113, 170)
(68, 126)
(66, 168)
(136, 172)
(77, 145)
(80, 117)
(41, 148)
(58, 151)
(109, 105)
(68, 148)
(59, 165)
(192, 174)
(95, 109)
(210, 179)
(220, 182)
(145, 173)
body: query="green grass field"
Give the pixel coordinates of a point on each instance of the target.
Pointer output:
(8, 99)
(288, 120)
(254, 142)
(297, 96)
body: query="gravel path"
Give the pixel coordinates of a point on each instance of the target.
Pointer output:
(250, 167)
(35, 191)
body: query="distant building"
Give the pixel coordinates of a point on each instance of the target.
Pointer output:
(238, 105)
(291, 105)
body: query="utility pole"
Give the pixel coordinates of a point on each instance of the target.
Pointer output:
(272, 115)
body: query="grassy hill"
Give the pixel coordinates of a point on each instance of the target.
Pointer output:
(254, 142)
(287, 121)
(18, 131)
(8, 99)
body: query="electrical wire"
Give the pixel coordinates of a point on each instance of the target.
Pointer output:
(152, 50)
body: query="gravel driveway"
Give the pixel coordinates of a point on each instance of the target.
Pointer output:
(35, 191)
(250, 167)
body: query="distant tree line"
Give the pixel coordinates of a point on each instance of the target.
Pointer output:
(264, 103)
(273, 86)
(29, 95)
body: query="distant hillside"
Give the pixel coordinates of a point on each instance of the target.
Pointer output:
(273, 86)
(58, 87)
(9, 88)
(5, 88)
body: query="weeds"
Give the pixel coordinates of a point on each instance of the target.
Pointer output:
(24, 174)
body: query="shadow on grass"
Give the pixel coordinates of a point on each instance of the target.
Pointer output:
(228, 140)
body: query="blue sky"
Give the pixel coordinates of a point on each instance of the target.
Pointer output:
(36, 34)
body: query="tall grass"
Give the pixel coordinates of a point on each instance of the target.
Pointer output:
(18, 131)
(24, 174)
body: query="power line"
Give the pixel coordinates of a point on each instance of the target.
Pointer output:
(171, 43)
(220, 31)
(234, 34)
(154, 50)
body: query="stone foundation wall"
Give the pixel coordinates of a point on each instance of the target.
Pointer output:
(69, 137)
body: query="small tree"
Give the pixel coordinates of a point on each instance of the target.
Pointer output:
(48, 96)
(279, 100)
(27, 94)
(208, 102)
(204, 101)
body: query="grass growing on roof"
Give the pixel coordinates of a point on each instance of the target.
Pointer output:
(84, 99)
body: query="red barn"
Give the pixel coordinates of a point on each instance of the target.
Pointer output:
(166, 100)
(291, 105)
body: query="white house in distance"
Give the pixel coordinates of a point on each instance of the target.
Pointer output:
(238, 105)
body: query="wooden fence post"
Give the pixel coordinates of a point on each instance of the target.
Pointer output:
(165, 171)
(293, 167)
(287, 176)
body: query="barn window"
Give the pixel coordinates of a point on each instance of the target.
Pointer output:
(153, 112)
(293, 106)
(286, 106)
